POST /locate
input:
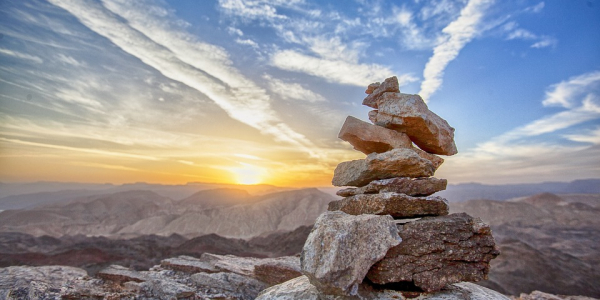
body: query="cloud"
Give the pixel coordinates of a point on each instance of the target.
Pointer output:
(536, 8)
(247, 42)
(516, 33)
(28, 57)
(518, 154)
(163, 45)
(566, 92)
(336, 71)
(252, 9)
(292, 91)
(456, 35)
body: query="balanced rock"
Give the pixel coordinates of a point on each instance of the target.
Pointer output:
(437, 251)
(423, 186)
(389, 85)
(393, 204)
(368, 138)
(394, 163)
(341, 249)
(409, 114)
(301, 288)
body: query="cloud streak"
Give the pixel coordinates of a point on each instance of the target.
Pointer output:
(201, 66)
(456, 35)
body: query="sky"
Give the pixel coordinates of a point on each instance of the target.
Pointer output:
(253, 91)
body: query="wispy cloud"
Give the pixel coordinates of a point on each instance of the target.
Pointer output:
(25, 56)
(292, 91)
(162, 44)
(518, 152)
(457, 34)
(535, 8)
(514, 32)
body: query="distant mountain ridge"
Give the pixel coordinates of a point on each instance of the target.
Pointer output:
(227, 212)
(469, 191)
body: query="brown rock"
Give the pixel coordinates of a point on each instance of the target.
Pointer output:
(277, 270)
(341, 249)
(372, 87)
(120, 274)
(437, 251)
(394, 204)
(368, 138)
(389, 85)
(409, 114)
(394, 163)
(423, 186)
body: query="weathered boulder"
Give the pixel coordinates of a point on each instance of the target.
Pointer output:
(368, 138)
(120, 274)
(394, 204)
(389, 85)
(409, 114)
(423, 186)
(394, 163)
(301, 288)
(230, 285)
(437, 251)
(269, 270)
(341, 249)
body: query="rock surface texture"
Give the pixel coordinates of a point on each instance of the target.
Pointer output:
(435, 250)
(341, 249)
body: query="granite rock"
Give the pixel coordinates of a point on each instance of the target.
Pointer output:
(409, 114)
(393, 204)
(341, 249)
(231, 285)
(394, 163)
(423, 186)
(437, 251)
(301, 288)
(120, 274)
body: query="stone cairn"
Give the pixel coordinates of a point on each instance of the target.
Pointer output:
(389, 233)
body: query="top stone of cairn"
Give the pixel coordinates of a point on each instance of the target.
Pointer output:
(409, 114)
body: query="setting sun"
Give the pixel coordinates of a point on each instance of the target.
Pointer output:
(248, 174)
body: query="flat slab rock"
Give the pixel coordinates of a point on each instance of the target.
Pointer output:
(423, 186)
(301, 288)
(437, 251)
(269, 270)
(393, 204)
(409, 114)
(120, 274)
(394, 163)
(341, 249)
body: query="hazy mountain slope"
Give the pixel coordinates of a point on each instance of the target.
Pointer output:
(278, 211)
(231, 213)
(469, 191)
(548, 242)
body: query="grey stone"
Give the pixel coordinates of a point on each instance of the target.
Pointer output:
(423, 186)
(393, 204)
(232, 285)
(409, 114)
(301, 288)
(437, 251)
(120, 274)
(394, 163)
(341, 248)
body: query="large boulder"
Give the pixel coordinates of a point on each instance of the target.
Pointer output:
(409, 114)
(341, 249)
(437, 251)
(301, 288)
(423, 186)
(394, 163)
(393, 204)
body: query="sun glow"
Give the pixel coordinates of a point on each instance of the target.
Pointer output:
(248, 174)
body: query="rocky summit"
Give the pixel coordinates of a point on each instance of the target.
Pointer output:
(392, 212)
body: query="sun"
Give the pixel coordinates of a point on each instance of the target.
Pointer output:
(248, 174)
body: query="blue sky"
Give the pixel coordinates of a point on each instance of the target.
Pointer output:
(255, 91)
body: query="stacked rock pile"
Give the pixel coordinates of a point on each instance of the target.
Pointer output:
(389, 233)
